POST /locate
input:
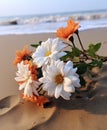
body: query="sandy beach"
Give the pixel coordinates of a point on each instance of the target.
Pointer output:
(76, 114)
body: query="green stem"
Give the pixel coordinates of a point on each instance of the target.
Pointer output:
(72, 40)
(80, 42)
(73, 44)
(84, 51)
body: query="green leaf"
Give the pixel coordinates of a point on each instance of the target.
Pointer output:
(36, 45)
(97, 47)
(82, 81)
(39, 74)
(72, 55)
(76, 52)
(93, 49)
(68, 55)
(82, 68)
(95, 63)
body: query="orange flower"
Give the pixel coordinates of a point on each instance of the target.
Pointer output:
(32, 68)
(68, 31)
(21, 55)
(39, 100)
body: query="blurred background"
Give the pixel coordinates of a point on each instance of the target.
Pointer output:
(42, 16)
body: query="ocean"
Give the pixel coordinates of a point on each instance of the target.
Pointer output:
(32, 24)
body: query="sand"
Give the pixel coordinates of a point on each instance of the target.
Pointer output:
(76, 114)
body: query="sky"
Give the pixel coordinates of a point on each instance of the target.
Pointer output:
(27, 7)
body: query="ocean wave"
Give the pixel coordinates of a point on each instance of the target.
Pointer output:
(90, 17)
(50, 23)
(51, 18)
(9, 22)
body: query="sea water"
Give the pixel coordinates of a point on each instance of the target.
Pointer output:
(32, 24)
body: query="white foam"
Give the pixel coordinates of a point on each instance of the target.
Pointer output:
(50, 23)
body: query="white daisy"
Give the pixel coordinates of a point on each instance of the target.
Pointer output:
(23, 77)
(60, 79)
(51, 49)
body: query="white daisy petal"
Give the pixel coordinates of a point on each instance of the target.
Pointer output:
(23, 76)
(58, 91)
(52, 48)
(51, 89)
(69, 88)
(19, 78)
(56, 47)
(56, 81)
(39, 61)
(69, 64)
(46, 86)
(65, 95)
(22, 86)
(61, 54)
(28, 90)
(75, 81)
(42, 80)
(67, 81)
(68, 67)
(35, 91)
(69, 84)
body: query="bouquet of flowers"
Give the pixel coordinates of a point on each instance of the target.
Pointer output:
(57, 66)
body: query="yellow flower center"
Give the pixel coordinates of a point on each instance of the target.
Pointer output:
(48, 53)
(59, 79)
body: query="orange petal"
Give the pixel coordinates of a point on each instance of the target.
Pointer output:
(42, 100)
(39, 100)
(64, 33)
(20, 55)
